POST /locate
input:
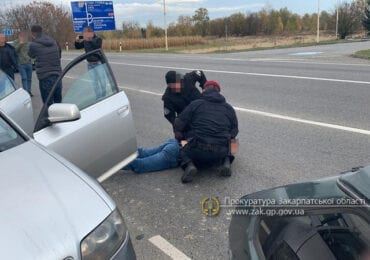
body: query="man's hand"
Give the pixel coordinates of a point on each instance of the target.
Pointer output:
(78, 39)
(234, 146)
(183, 143)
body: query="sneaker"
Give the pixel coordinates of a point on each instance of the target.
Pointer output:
(225, 168)
(189, 172)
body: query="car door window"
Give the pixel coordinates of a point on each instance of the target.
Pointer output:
(8, 136)
(91, 86)
(6, 85)
(83, 84)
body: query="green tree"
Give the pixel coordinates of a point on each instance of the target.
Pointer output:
(185, 25)
(201, 21)
(237, 24)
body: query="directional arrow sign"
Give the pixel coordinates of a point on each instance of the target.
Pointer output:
(97, 14)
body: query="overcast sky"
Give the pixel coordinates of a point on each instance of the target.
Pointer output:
(152, 10)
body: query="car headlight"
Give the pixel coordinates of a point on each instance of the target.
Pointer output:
(104, 240)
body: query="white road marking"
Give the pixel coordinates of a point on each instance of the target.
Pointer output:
(282, 117)
(273, 60)
(245, 73)
(167, 248)
(306, 53)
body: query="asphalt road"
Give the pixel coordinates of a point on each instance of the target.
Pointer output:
(303, 114)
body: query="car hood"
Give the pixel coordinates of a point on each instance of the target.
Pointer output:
(46, 208)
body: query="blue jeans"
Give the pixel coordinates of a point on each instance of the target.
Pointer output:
(45, 86)
(165, 156)
(26, 74)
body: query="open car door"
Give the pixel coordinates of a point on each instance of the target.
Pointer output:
(102, 139)
(16, 103)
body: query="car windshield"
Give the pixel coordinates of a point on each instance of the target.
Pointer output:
(9, 137)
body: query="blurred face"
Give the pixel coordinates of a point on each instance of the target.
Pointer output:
(23, 36)
(175, 87)
(2, 39)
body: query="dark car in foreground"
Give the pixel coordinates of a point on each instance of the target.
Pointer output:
(324, 219)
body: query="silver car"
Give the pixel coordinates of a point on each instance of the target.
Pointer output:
(16, 102)
(93, 126)
(50, 209)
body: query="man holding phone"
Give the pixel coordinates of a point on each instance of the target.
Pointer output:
(89, 41)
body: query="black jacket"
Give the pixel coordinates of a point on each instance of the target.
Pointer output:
(175, 103)
(94, 44)
(47, 54)
(13, 58)
(210, 119)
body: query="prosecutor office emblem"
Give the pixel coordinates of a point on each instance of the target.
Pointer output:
(210, 206)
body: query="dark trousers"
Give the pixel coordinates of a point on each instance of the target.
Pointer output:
(203, 155)
(9, 71)
(45, 86)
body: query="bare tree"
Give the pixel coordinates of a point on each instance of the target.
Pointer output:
(56, 21)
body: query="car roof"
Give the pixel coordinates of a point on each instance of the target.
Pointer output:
(359, 181)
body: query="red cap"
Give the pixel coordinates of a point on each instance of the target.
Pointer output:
(213, 83)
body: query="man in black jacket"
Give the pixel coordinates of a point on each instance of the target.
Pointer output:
(180, 92)
(8, 57)
(213, 124)
(89, 41)
(48, 66)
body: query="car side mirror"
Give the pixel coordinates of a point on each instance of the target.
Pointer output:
(63, 113)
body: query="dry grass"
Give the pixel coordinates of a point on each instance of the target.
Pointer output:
(198, 44)
(253, 42)
(151, 43)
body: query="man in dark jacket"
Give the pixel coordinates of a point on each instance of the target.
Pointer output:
(89, 41)
(213, 124)
(47, 54)
(180, 92)
(8, 57)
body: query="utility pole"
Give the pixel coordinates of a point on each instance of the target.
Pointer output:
(318, 22)
(336, 24)
(165, 24)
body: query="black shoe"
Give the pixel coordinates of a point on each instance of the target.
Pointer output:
(189, 172)
(225, 168)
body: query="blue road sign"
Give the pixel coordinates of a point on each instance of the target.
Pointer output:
(8, 32)
(97, 14)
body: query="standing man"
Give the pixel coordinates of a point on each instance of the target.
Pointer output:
(48, 67)
(21, 46)
(8, 57)
(213, 124)
(181, 91)
(89, 41)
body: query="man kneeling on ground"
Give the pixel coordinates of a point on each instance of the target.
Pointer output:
(213, 125)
